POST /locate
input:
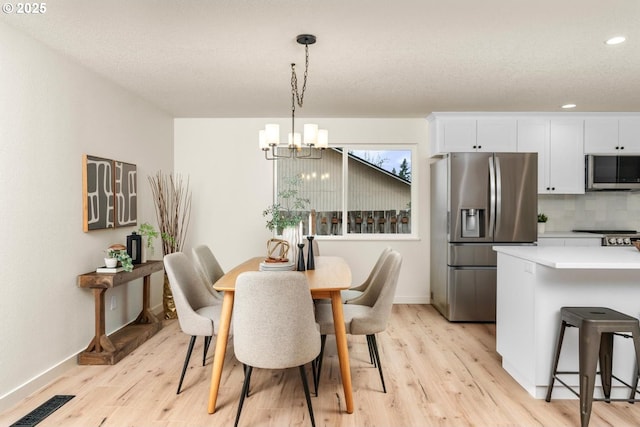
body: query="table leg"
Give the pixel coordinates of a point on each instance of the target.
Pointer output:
(146, 316)
(100, 341)
(221, 348)
(343, 350)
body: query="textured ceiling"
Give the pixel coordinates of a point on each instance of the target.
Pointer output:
(373, 58)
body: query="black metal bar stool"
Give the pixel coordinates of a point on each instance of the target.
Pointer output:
(597, 326)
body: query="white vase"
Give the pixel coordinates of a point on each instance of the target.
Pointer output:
(292, 236)
(541, 226)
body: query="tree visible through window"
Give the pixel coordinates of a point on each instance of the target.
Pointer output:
(377, 199)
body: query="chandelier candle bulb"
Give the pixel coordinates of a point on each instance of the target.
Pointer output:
(295, 141)
(323, 139)
(310, 134)
(273, 134)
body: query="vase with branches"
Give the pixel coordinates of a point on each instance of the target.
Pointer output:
(172, 199)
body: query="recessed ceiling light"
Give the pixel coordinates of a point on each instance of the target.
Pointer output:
(566, 106)
(616, 40)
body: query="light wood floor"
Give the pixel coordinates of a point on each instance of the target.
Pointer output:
(437, 374)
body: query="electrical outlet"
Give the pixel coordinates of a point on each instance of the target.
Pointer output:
(114, 303)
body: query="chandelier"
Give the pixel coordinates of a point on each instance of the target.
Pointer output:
(314, 141)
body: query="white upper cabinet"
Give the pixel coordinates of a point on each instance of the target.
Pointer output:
(612, 135)
(498, 135)
(560, 153)
(465, 134)
(629, 134)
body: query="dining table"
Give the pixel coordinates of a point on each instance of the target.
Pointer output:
(330, 276)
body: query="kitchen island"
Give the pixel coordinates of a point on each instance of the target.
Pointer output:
(534, 282)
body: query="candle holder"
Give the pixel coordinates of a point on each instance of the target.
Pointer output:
(310, 263)
(300, 257)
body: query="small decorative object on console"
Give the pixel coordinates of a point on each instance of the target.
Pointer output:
(310, 262)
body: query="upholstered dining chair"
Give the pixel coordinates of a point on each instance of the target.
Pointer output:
(208, 267)
(274, 326)
(197, 309)
(350, 294)
(367, 314)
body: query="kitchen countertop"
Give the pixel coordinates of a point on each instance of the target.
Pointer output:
(568, 234)
(587, 257)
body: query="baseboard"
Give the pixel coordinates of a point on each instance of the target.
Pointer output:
(16, 395)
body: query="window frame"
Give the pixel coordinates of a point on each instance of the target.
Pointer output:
(413, 235)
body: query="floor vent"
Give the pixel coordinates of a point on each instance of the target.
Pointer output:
(43, 411)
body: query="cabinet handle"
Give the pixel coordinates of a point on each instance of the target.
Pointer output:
(553, 188)
(474, 147)
(548, 189)
(479, 146)
(622, 148)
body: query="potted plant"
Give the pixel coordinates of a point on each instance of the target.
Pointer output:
(172, 199)
(285, 215)
(542, 219)
(118, 253)
(149, 233)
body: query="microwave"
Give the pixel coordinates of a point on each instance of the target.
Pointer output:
(611, 172)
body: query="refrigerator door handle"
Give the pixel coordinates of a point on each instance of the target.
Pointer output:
(498, 195)
(492, 195)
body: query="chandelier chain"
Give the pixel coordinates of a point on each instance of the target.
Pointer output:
(294, 78)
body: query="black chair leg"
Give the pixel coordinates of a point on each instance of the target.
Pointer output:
(371, 356)
(377, 357)
(245, 389)
(207, 341)
(316, 382)
(306, 394)
(186, 362)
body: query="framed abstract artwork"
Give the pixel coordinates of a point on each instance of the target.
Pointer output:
(110, 193)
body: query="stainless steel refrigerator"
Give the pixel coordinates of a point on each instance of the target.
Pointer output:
(478, 200)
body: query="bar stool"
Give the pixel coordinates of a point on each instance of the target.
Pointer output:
(597, 326)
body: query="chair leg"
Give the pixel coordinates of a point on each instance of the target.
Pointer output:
(606, 356)
(377, 357)
(588, 362)
(371, 356)
(323, 340)
(556, 359)
(207, 341)
(305, 385)
(636, 343)
(186, 362)
(245, 389)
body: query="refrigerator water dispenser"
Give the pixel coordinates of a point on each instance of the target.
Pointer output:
(472, 219)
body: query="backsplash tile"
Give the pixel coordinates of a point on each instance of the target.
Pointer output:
(593, 210)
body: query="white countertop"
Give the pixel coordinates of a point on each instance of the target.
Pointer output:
(588, 257)
(568, 234)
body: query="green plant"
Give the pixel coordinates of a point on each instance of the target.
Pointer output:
(146, 230)
(289, 208)
(122, 256)
(542, 217)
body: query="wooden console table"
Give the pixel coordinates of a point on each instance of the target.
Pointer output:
(109, 350)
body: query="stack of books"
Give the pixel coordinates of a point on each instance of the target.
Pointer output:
(277, 266)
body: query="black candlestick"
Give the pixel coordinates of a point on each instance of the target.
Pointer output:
(310, 264)
(300, 257)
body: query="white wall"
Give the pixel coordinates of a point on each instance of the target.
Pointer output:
(51, 112)
(232, 185)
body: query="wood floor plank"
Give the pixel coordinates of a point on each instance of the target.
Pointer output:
(437, 374)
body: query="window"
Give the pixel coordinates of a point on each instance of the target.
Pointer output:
(354, 191)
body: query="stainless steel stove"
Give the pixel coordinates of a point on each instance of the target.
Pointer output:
(615, 237)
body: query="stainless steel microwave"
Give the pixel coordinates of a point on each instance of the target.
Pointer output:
(611, 172)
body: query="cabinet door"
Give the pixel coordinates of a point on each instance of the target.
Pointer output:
(601, 136)
(459, 135)
(629, 135)
(533, 137)
(566, 157)
(497, 135)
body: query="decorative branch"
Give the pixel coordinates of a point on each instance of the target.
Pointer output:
(172, 199)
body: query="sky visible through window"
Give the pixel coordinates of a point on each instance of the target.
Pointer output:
(386, 159)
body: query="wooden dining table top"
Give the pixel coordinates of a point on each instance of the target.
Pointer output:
(330, 274)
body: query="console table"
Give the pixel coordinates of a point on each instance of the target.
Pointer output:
(109, 350)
